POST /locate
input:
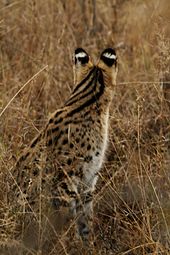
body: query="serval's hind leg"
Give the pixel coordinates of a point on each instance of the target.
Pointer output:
(85, 216)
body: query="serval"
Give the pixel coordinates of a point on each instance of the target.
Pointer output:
(61, 165)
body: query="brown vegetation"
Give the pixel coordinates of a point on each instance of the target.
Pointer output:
(37, 38)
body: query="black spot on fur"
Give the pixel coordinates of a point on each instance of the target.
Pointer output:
(58, 120)
(64, 185)
(60, 175)
(49, 132)
(65, 141)
(79, 172)
(69, 161)
(88, 147)
(35, 172)
(82, 145)
(71, 145)
(22, 174)
(77, 140)
(88, 159)
(55, 129)
(58, 113)
(71, 173)
(50, 142)
(79, 155)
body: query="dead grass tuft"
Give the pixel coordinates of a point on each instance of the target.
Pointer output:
(37, 38)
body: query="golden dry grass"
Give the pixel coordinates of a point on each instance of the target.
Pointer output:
(37, 38)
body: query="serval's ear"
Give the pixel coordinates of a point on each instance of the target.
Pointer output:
(82, 65)
(81, 56)
(109, 58)
(108, 63)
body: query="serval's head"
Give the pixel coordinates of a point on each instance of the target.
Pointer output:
(84, 67)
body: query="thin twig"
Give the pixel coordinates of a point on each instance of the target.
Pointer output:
(22, 89)
(134, 82)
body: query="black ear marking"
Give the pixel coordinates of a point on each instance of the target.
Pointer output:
(109, 57)
(81, 56)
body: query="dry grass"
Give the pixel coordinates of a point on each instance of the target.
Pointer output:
(37, 38)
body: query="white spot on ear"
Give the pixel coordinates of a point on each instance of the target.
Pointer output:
(81, 55)
(109, 55)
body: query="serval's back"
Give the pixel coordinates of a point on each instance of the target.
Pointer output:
(61, 165)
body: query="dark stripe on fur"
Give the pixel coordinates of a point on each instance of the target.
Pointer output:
(75, 99)
(84, 80)
(94, 98)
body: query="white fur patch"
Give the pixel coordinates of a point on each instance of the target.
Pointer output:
(81, 55)
(93, 167)
(108, 55)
